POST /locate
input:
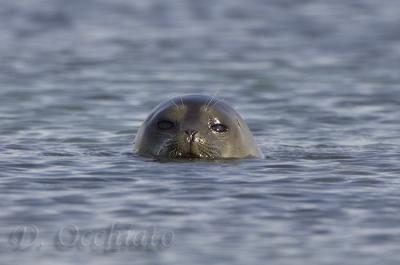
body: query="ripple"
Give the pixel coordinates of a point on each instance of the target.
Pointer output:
(105, 97)
(79, 140)
(248, 196)
(322, 156)
(169, 213)
(333, 179)
(288, 195)
(61, 154)
(71, 199)
(367, 181)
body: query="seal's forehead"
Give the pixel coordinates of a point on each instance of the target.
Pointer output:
(192, 106)
(190, 102)
(193, 101)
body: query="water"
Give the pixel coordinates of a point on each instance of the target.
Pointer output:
(317, 82)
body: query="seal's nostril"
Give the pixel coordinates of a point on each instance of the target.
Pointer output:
(191, 133)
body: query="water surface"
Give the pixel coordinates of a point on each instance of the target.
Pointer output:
(317, 82)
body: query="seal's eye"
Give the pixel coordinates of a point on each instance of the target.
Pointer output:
(219, 128)
(165, 125)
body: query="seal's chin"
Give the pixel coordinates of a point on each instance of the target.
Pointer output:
(189, 155)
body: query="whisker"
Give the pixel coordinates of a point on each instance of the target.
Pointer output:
(172, 148)
(218, 100)
(209, 102)
(173, 102)
(212, 98)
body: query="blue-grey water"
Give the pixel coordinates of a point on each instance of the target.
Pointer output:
(317, 81)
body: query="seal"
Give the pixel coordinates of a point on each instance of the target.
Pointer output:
(195, 126)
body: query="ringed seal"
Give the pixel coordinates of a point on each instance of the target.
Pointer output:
(195, 126)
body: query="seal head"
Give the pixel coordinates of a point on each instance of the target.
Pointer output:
(195, 126)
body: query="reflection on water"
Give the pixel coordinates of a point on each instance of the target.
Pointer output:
(316, 81)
